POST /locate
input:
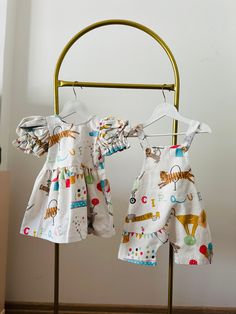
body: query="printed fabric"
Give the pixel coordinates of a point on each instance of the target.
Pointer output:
(165, 205)
(71, 197)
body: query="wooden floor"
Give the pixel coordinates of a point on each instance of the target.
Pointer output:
(46, 308)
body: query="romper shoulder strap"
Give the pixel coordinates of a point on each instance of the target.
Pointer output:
(192, 130)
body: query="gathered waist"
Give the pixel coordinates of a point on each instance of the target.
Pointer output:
(75, 167)
(70, 174)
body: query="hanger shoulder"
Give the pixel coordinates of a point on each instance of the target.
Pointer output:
(169, 110)
(165, 109)
(204, 128)
(70, 107)
(75, 108)
(158, 113)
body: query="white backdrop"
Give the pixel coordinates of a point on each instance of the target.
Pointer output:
(201, 37)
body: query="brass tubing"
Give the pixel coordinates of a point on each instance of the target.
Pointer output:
(113, 22)
(56, 279)
(173, 87)
(171, 251)
(170, 280)
(170, 87)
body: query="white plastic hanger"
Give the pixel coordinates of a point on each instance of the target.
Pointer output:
(169, 110)
(76, 108)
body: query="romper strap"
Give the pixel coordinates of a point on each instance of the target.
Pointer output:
(192, 130)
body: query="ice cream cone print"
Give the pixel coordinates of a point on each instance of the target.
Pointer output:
(51, 211)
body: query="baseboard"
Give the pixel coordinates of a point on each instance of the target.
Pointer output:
(47, 308)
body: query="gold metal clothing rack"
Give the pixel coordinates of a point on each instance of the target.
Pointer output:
(175, 87)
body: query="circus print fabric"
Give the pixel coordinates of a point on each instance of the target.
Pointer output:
(71, 197)
(165, 205)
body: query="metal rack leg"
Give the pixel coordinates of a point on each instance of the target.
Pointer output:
(56, 278)
(170, 280)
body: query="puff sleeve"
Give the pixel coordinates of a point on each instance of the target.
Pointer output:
(33, 136)
(112, 135)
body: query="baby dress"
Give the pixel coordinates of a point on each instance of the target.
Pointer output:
(165, 204)
(71, 196)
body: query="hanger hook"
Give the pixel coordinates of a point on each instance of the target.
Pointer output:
(164, 96)
(73, 87)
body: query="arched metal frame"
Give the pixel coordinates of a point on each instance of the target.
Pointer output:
(175, 87)
(59, 83)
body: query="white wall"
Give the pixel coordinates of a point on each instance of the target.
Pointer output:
(7, 18)
(3, 10)
(4, 207)
(201, 36)
(7, 42)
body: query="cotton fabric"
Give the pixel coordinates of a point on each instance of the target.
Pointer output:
(166, 205)
(71, 197)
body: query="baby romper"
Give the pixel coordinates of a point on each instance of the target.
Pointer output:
(71, 195)
(165, 204)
